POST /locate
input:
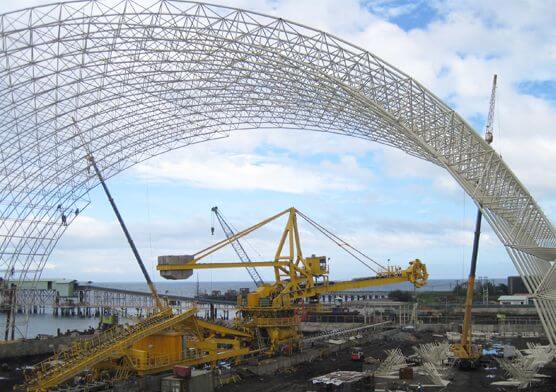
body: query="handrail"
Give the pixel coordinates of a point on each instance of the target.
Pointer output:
(81, 355)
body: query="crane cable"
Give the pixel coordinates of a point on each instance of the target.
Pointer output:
(342, 244)
(244, 240)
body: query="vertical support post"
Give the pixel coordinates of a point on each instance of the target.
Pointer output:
(11, 311)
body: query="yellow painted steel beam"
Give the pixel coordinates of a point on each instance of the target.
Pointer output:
(357, 284)
(227, 354)
(213, 248)
(92, 355)
(221, 329)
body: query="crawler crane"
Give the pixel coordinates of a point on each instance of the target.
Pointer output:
(466, 353)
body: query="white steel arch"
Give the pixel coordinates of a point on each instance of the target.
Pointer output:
(144, 79)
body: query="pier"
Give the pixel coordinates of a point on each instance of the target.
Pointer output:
(70, 298)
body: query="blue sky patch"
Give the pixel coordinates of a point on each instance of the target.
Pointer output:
(542, 89)
(408, 15)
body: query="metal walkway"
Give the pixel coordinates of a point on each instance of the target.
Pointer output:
(84, 354)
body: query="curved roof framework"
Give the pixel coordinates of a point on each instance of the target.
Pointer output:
(142, 80)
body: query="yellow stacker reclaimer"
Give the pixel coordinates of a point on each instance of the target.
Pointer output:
(268, 319)
(271, 312)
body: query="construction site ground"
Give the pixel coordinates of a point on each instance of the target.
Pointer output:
(11, 371)
(297, 379)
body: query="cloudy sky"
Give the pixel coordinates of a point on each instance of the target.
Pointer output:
(391, 206)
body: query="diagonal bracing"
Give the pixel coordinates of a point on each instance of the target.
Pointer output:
(146, 78)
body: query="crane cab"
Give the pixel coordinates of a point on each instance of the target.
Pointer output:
(317, 265)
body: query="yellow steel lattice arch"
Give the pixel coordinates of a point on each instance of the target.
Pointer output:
(145, 79)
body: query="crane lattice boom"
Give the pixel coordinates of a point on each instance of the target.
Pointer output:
(238, 248)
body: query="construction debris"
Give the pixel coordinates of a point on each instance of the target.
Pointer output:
(543, 354)
(392, 364)
(339, 378)
(523, 369)
(434, 375)
(434, 353)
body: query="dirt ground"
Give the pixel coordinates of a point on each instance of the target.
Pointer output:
(11, 371)
(296, 380)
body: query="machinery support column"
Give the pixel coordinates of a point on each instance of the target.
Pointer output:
(91, 159)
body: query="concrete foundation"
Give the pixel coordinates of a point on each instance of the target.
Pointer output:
(27, 348)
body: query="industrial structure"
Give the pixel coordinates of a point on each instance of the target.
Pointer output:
(109, 72)
(468, 354)
(268, 319)
(89, 88)
(68, 297)
(238, 247)
(145, 79)
(271, 311)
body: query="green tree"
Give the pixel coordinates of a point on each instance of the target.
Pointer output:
(494, 290)
(399, 295)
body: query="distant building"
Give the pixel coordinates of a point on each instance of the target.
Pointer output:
(64, 287)
(516, 285)
(515, 300)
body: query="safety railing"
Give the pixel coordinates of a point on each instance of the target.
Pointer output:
(145, 361)
(84, 354)
(276, 321)
(80, 349)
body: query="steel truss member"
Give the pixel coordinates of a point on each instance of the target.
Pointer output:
(143, 80)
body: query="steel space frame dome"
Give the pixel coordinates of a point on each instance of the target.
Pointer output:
(143, 78)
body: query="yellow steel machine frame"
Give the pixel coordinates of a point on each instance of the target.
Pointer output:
(271, 311)
(153, 345)
(268, 321)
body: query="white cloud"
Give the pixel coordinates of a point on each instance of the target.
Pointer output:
(456, 55)
(87, 227)
(218, 169)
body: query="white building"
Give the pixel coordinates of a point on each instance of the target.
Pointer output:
(518, 299)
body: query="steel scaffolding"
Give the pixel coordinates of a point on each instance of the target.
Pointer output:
(144, 78)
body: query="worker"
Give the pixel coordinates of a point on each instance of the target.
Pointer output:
(64, 220)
